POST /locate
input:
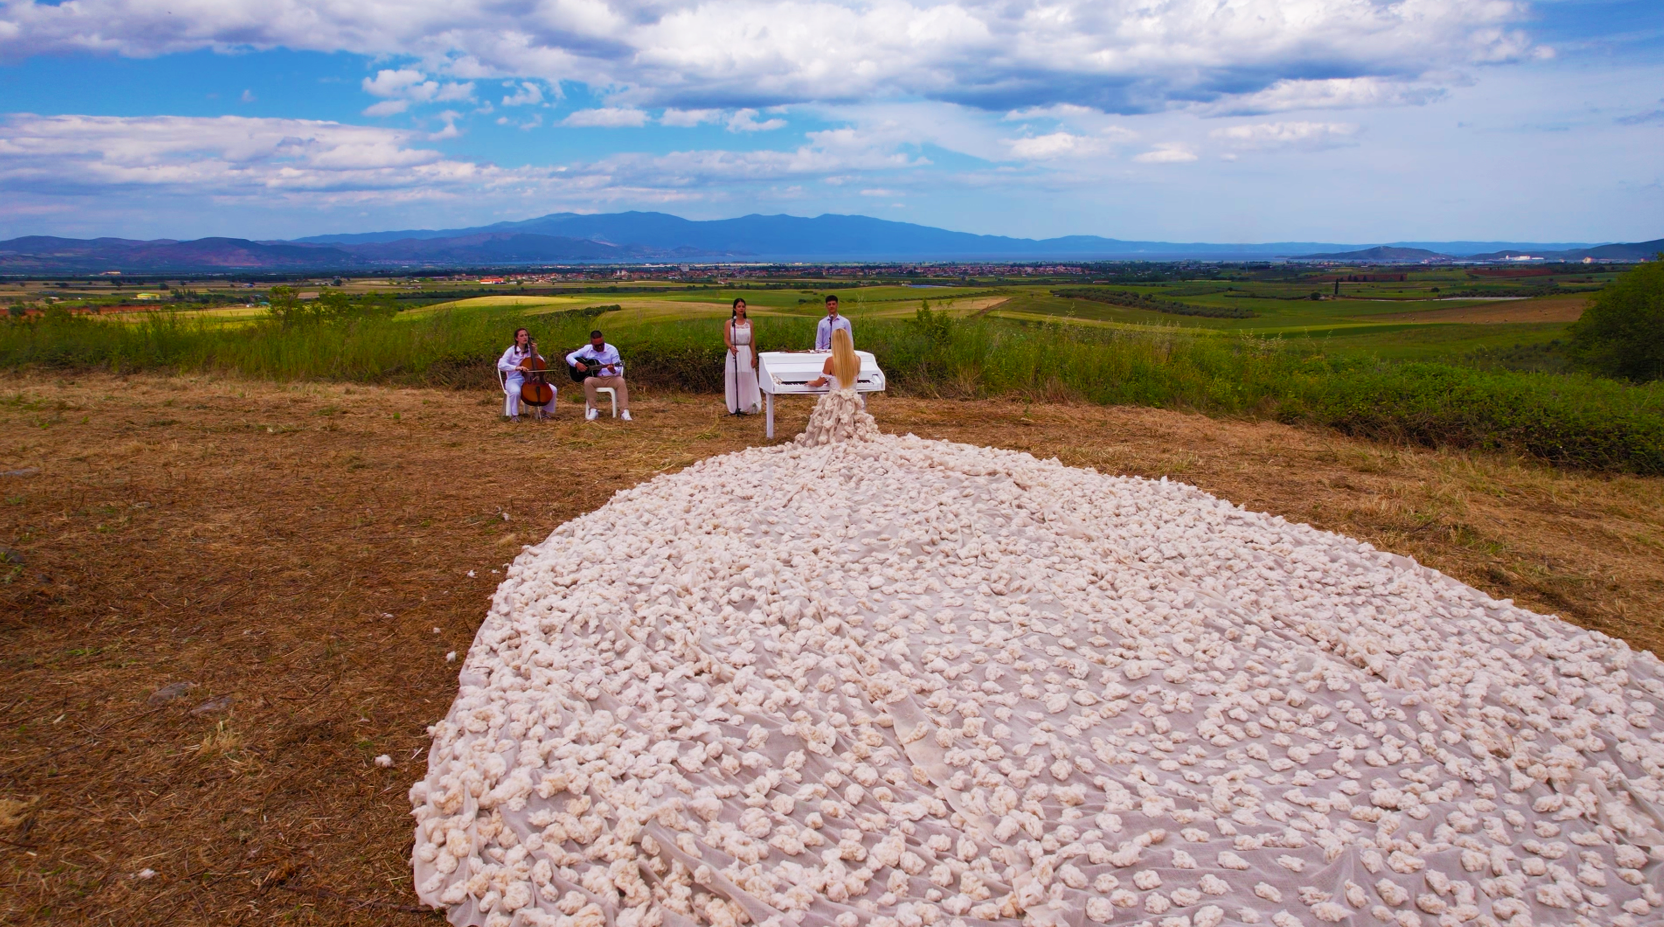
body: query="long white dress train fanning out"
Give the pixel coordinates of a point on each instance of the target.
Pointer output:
(874, 680)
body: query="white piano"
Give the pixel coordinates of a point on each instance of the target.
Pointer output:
(787, 372)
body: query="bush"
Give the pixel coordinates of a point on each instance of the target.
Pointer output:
(1570, 420)
(289, 311)
(1621, 334)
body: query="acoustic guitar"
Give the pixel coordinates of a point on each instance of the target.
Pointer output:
(578, 376)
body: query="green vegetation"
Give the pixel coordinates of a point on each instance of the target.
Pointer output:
(1572, 420)
(1621, 334)
(1145, 301)
(330, 308)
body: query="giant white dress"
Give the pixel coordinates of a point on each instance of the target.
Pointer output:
(881, 681)
(740, 380)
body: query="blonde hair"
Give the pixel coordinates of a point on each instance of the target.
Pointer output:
(845, 365)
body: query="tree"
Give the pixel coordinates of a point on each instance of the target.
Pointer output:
(1621, 334)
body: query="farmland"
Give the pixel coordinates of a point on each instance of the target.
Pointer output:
(1470, 357)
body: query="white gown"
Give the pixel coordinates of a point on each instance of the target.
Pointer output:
(839, 416)
(884, 681)
(740, 383)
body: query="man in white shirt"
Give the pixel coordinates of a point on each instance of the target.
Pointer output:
(604, 368)
(832, 322)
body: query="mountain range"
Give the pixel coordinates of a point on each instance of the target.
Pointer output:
(650, 237)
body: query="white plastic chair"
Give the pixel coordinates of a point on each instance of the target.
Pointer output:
(612, 395)
(502, 381)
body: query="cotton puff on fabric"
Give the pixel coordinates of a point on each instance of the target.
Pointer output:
(880, 681)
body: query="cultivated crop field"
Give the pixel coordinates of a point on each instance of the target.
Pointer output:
(292, 563)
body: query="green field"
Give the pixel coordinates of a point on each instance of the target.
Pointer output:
(1393, 359)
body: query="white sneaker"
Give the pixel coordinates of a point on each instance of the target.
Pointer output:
(589, 414)
(626, 416)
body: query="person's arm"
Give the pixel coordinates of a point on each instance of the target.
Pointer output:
(504, 364)
(728, 335)
(573, 359)
(823, 335)
(611, 360)
(824, 378)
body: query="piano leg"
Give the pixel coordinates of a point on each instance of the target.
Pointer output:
(768, 404)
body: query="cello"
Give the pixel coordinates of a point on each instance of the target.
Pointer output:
(535, 389)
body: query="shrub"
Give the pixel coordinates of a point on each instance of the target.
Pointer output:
(1621, 334)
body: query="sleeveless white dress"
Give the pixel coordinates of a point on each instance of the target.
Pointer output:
(740, 382)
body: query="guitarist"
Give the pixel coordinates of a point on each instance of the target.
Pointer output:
(599, 365)
(515, 363)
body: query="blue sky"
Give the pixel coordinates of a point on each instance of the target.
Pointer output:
(1180, 120)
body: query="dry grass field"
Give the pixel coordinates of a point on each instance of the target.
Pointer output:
(293, 563)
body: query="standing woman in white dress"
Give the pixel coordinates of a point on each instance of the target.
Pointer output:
(740, 384)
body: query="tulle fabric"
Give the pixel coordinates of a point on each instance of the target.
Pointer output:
(840, 415)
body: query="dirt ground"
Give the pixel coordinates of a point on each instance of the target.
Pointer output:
(1543, 309)
(295, 563)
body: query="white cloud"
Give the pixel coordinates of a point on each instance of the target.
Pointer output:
(276, 164)
(609, 117)
(1307, 135)
(401, 82)
(1055, 145)
(1167, 153)
(450, 117)
(247, 97)
(880, 191)
(529, 94)
(1114, 55)
(1064, 111)
(688, 118)
(745, 120)
(225, 156)
(401, 87)
(1335, 93)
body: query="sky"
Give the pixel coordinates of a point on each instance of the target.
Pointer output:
(1180, 120)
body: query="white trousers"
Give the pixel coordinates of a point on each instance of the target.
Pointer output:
(511, 396)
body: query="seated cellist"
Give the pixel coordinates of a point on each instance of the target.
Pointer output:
(515, 364)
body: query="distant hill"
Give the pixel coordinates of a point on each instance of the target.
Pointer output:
(41, 254)
(1634, 251)
(1382, 255)
(652, 237)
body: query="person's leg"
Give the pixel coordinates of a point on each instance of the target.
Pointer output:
(589, 390)
(549, 407)
(617, 383)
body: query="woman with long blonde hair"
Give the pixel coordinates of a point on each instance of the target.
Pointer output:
(844, 365)
(841, 414)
